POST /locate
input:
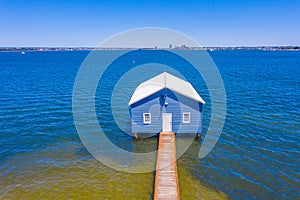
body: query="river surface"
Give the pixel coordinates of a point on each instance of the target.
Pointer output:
(256, 157)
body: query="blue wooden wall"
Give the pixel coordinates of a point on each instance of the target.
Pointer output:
(177, 104)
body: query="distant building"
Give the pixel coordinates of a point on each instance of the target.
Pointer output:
(170, 46)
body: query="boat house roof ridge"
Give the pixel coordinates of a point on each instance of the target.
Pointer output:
(162, 81)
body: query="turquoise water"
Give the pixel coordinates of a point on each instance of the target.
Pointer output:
(256, 157)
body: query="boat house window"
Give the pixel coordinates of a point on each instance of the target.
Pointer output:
(186, 117)
(147, 118)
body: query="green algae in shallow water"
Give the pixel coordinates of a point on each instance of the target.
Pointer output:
(89, 179)
(190, 184)
(94, 181)
(191, 188)
(71, 173)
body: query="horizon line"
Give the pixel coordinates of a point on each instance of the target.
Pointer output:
(233, 46)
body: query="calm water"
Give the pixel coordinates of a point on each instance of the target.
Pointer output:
(256, 157)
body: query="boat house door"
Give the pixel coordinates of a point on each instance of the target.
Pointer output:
(167, 122)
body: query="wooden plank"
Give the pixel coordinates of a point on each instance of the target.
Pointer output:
(166, 177)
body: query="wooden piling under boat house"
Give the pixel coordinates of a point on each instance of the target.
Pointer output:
(165, 103)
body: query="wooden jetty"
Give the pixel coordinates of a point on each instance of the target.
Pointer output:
(166, 178)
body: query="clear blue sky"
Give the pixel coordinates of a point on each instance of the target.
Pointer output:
(211, 23)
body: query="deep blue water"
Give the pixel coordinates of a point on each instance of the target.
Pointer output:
(256, 157)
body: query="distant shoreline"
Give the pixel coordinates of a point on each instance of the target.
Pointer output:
(261, 48)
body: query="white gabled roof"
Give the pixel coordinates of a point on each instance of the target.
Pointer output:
(164, 80)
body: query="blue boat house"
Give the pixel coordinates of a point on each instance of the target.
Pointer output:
(165, 103)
